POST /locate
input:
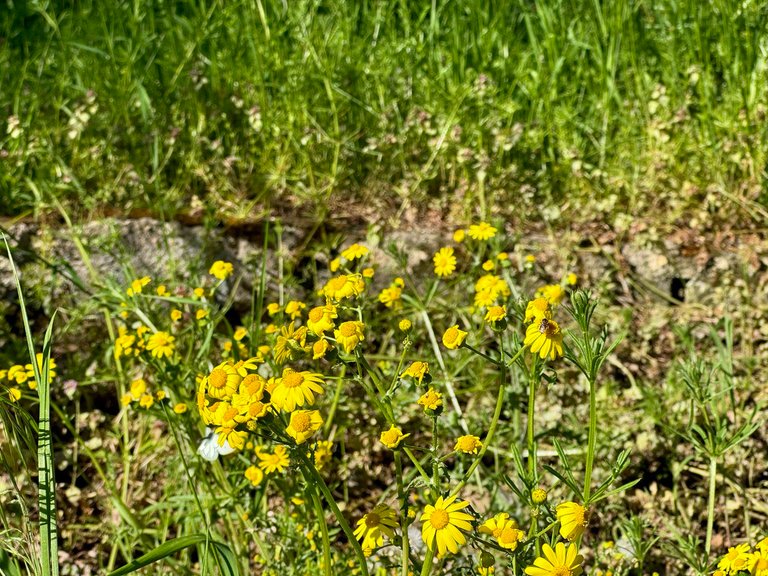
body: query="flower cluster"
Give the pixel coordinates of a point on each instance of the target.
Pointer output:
(743, 559)
(18, 374)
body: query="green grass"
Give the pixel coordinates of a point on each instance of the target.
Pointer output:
(251, 105)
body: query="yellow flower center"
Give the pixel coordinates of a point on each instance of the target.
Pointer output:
(391, 436)
(762, 564)
(316, 314)
(218, 378)
(252, 383)
(372, 520)
(466, 444)
(561, 571)
(508, 535)
(347, 329)
(300, 421)
(293, 379)
(439, 519)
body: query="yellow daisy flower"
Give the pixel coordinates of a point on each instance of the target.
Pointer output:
(296, 389)
(443, 523)
(431, 400)
(416, 370)
(276, 461)
(354, 251)
(349, 334)
(320, 348)
(323, 453)
(294, 308)
(495, 313)
(573, 519)
(223, 381)
(344, 286)
(320, 319)
(240, 333)
(453, 337)
(760, 562)
(459, 235)
(545, 338)
(180, 408)
(391, 438)
(146, 401)
(510, 537)
(221, 269)
(390, 297)
(481, 231)
(468, 444)
(445, 261)
(553, 293)
(161, 345)
(737, 558)
(562, 561)
(536, 310)
(303, 424)
(254, 475)
(378, 524)
(137, 285)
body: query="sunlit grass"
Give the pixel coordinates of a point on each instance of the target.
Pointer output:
(247, 104)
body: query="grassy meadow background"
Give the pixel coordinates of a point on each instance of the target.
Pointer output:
(624, 141)
(597, 109)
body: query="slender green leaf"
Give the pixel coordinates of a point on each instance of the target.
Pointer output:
(228, 563)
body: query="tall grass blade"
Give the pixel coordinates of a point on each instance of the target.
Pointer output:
(49, 551)
(227, 562)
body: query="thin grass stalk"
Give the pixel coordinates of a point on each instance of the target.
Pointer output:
(49, 549)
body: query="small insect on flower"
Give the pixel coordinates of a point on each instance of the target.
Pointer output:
(545, 339)
(210, 448)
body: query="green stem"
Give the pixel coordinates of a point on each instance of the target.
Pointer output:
(435, 460)
(494, 423)
(532, 381)
(711, 502)
(403, 498)
(426, 568)
(336, 397)
(591, 440)
(481, 354)
(324, 532)
(313, 477)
